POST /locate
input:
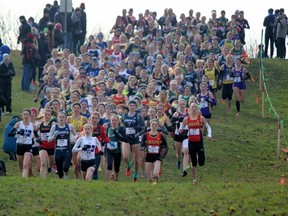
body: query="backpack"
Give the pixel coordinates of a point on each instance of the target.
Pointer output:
(2, 168)
(28, 51)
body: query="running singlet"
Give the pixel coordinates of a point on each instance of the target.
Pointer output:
(130, 123)
(238, 74)
(27, 134)
(78, 124)
(227, 75)
(118, 100)
(63, 138)
(212, 77)
(90, 143)
(194, 129)
(44, 134)
(204, 104)
(114, 145)
(153, 143)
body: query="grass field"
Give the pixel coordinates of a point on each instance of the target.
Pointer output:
(241, 175)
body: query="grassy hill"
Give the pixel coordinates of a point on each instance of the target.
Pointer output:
(241, 175)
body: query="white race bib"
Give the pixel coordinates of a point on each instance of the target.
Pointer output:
(112, 145)
(237, 79)
(153, 149)
(194, 132)
(228, 77)
(62, 142)
(211, 82)
(203, 104)
(44, 136)
(130, 130)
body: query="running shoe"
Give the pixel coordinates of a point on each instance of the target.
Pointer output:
(49, 170)
(194, 181)
(189, 166)
(184, 173)
(135, 180)
(99, 169)
(128, 173)
(238, 114)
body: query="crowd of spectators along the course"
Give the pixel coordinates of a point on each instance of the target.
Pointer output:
(169, 69)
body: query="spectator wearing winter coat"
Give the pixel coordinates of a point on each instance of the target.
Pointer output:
(6, 73)
(24, 29)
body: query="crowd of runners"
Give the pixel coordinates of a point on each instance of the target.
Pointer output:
(125, 103)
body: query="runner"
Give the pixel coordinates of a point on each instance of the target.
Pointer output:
(155, 144)
(77, 121)
(196, 148)
(176, 120)
(60, 132)
(99, 132)
(47, 149)
(240, 74)
(24, 134)
(86, 145)
(226, 73)
(135, 126)
(116, 134)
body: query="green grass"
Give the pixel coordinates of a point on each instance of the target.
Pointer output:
(241, 175)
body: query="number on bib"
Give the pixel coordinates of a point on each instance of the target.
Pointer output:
(237, 79)
(62, 142)
(194, 132)
(153, 149)
(130, 130)
(44, 136)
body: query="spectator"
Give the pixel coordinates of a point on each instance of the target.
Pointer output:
(32, 22)
(269, 36)
(83, 21)
(6, 73)
(58, 36)
(44, 54)
(243, 24)
(24, 29)
(281, 35)
(77, 30)
(53, 10)
(44, 21)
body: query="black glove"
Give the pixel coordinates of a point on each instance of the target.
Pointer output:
(35, 100)
(38, 140)
(21, 132)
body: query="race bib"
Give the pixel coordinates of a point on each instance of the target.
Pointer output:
(153, 149)
(203, 104)
(62, 142)
(194, 132)
(112, 145)
(211, 82)
(44, 136)
(237, 79)
(130, 130)
(228, 77)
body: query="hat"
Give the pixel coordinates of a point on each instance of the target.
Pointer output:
(22, 17)
(5, 55)
(83, 100)
(34, 110)
(132, 102)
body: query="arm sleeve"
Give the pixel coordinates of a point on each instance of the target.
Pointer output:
(143, 142)
(75, 135)
(141, 124)
(209, 130)
(164, 141)
(121, 134)
(104, 136)
(12, 132)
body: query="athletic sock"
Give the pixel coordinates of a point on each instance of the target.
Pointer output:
(135, 175)
(238, 106)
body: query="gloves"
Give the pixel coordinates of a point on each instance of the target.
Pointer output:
(35, 100)
(85, 148)
(21, 132)
(143, 148)
(38, 140)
